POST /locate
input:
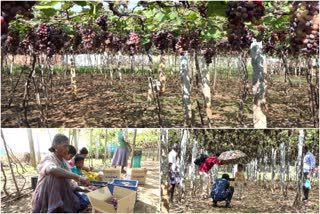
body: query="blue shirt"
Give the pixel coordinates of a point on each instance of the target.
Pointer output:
(77, 171)
(309, 162)
(219, 189)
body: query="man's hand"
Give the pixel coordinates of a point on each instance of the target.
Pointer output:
(87, 169)
(309, 175)
(85, 181)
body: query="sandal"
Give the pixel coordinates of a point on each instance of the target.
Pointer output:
(204, 197)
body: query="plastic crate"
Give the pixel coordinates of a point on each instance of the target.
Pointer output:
(128, 184)
(99, 183)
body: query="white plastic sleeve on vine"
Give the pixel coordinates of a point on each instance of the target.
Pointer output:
(257, 60)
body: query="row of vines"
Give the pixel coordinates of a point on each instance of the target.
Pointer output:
(274, 152)
(195, 33)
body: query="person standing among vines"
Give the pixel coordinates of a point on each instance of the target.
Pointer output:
(239, 180)
(121, 154)
(308, 167)
(172, 159)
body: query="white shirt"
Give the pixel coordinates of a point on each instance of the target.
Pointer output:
(308, 162)
(172, 158)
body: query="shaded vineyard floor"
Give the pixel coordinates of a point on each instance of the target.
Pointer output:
(147, 202)
(255, 199)
(123, 104)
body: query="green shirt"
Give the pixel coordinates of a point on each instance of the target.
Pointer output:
(77, 171)
(121, 141)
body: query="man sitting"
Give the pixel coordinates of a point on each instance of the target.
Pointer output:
(222, 191)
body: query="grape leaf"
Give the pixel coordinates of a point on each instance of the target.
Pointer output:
(148, 13)
(68, 29)
(212, 33)
(178, 21)
(145, 41)
(217, 8)
(81, 3)
(66, 5)
(159, 17)
(46, 10)
(173, 15)
(192, 16)
(50, 3)
(77, 19)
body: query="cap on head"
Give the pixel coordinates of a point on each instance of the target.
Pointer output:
(226, 176)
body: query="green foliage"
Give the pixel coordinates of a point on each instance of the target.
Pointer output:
(255, 143)
(46, 10)
(217, 8)
(173, 18)
(80, 3)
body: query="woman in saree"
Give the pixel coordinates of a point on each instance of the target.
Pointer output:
(56, 187)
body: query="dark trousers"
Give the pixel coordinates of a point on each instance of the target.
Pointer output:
(228, 198)
(171, 191)
(305, 190)
(230, 191)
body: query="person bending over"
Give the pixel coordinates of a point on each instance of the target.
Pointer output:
(222, 191)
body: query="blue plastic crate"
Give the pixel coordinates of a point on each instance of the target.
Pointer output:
(99, 183)
(133, 185)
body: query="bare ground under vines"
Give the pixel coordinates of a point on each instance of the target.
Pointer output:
(255, 199)
(123, 104)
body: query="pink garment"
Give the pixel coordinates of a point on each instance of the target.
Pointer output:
(71, 163)
(208, 164)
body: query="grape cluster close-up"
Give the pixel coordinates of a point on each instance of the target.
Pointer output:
(76, 41)
(194, 41)
(133, 43)
(119, 43)
(223, 46)
(272, 44)
(239, 36)
(114, 202)
(9, 9)
(304, 27)
(90, 38)
(239, 12)
(163, 40)
(107, 38)
(102, 22)
(203, 10)
(208, 51)
(182, 44)
(12, 42)
(50, 40)
(245, 11)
